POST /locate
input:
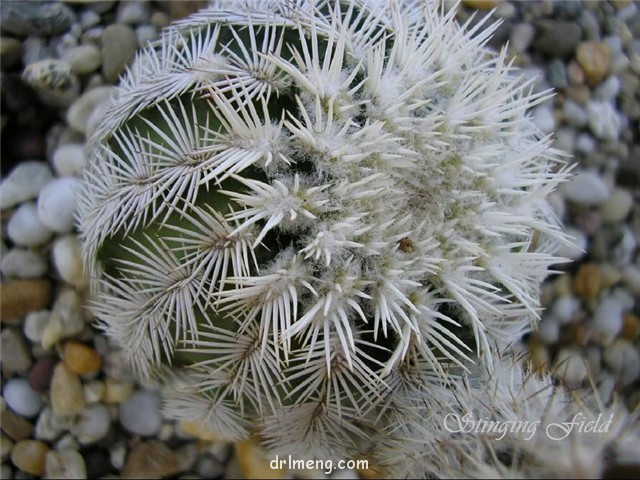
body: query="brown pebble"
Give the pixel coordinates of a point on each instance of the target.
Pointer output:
(253, 461)
(67, 394)
(575, 334)
(19, 297)
(15, 426)
(630, 326)
(588, 281)
(372, 471)
(481, 4)
(80, 358)
(151, 459)
(575, 73)
(41, 373)
(29, 456)
(595, 60)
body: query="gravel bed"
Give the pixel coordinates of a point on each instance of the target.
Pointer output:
(71, 409)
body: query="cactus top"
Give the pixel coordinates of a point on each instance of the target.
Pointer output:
(303, 205)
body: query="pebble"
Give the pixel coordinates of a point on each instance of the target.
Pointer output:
(10, 52)
(41, 373)
(92, 424)
(29, 456)
(565, 308)
(151, 459)
(588, 221)
(21, 263)
(140, 413)
(80, 358)
(208, 467)
(521, 37)
(83, 59)
(21, 398)
(24, 183)
(557, 74)
(57, 205)
(595, 60)
(549, 330)
(617, 207)
(94, 391)
(69, 160)
(574, 114)
(35, 18)
(19, 297)
(624, 360)
(608, 90)
(50, 426)
(604, 120)
(145, 34)
(578, 247)
(67, 395)
(16, 427)
(25, 227)
(586, 187)
(607, 318)
(88, 19)
(630, 327)
(543, 119)
(66, 319)
(67, 259)
(556, 38)
(16, 356)
(133, 12)
(34, 325)
(53, 80)
(585, 143)
(631, 278)
(116, 391)
(571, 367)
(588, 281)
(65, 464)
(81, 110)
(119, 44)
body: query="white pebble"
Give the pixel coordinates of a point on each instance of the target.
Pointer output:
(21, 398)
(617, 207)
(69, 160)
(35, 323)
(578, 246)
(586, 187)
(92, 424)
(83, 59)
(574, 114)
(63, 464)
(565, 308)
(543, 119)
(25, 227)
(68, 261)
(624, 360)
(140, 413)
(571, 367)
(631, 278)
(604, 120)
(19, 263)
(608, 90)
(80, 111)
(549, 330)
(56, 204)
(607, 318)
(50, 426)
(24, 183)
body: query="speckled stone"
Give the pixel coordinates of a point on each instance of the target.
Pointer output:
(595, 60)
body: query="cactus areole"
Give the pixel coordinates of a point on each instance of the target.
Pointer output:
(305, 218)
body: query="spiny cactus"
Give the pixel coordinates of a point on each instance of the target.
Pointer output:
(311, 218)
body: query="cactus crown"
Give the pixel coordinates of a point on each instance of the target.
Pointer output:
(315, 213)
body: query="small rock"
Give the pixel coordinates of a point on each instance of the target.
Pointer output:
(151, 459)
(588, 281)
(83, 59)
(80, 111)
(66, 318)
(16, 356)
(67, 395)
(606, 385)
(65, 464)
(595, 60)
(50, 426)
(608, 90)
(67, 442)
(53, 80)
(20, 297)
(557, 74)
(145, 34)
(578, 247)
(94, 391)
(604, 120)
(140, 413)
(617, 207)
(41, 373)
(543, 119)
(208, 467)
(92, 424)
(549, 330)
(607, 318)
(69, 160)
(119, 44)
(34, 325)
(80, 358)
(586, 187)
(16, 427)
(10, 52)
(557, 38)
(25, 227)
(21, 398)
(88, 19)
(67, 260)
(588, 221)
(133, 12)
(29, 456)
(624, 360)
(20, 263)
(521, 37)
(116, 391)
(24, 183)
(631, 278)
(35, 18)
(57, 205)
(571, 367)
(574, 114)
(585, 143)
(565, 308)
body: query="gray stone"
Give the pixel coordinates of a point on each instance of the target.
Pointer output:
(119, 44)
(586, 187)
(22, 263)
(140, 413)
(133, 12)
(557, 74)
(604, 120)
(16, 356)
(574, 114)
(10, 51)
(521, 37)
(617, 207)
(35, 18)
(556, 38)
(83, 59)
(608, 90)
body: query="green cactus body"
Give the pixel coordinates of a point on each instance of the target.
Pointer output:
(307, 218)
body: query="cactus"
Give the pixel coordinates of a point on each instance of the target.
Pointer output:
(311, 219)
